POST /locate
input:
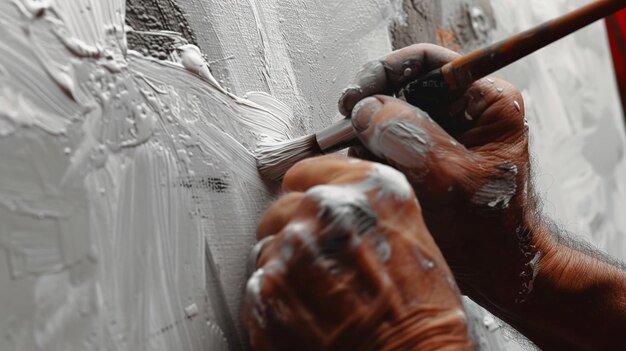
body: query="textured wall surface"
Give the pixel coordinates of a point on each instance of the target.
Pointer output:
(128, 186)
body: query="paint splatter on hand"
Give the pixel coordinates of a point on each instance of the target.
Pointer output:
(350, 266)
(467, 161)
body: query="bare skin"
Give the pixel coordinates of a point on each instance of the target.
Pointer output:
(347, 274)
(468, 164)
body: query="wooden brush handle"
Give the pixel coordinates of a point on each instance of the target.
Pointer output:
(459, 74)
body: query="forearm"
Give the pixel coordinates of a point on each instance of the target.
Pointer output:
(564, 295)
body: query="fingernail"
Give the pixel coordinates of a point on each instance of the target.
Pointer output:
(347, 95)
(364, 111)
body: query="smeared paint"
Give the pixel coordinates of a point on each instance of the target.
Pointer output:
(468, 116)
(400, 141)
(143, 178)
(291, 51)
(389, 181)
(531, 269)
(346, 208)
(497, 192)
(253, 290)
(343, 209)
(191, 310)
(116, 166)
(192, 60)
(490, 323)
(103, 218)
(428, 263)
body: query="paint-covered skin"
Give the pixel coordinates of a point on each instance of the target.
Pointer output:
(467, 162)
(351, 266)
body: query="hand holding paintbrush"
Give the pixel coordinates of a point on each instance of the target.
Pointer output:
(470, 171)
(432, 88)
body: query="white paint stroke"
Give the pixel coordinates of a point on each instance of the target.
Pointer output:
(116, 167)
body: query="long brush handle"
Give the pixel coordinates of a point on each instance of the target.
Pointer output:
(438, 85)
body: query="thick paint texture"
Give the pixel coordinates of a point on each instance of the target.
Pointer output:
(116, 168)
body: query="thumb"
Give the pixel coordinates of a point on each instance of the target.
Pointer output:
(408, 139)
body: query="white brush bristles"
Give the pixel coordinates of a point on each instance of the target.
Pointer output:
(275, 159)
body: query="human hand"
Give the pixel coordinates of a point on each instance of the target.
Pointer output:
(350, 265)
(468, 163)
(470, 171)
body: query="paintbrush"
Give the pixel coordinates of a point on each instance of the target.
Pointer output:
(437, 86)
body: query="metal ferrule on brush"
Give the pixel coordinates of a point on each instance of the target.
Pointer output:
(338, 136)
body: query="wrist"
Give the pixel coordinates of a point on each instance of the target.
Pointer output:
(518, 244)
(568, 287)
(426, 329)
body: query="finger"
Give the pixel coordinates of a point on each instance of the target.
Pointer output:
(408, 63)
(370, 79)
(306, 255)
(406, 138)
(392, 72)
(278, 215)
(328, 169)
(497, 112)
(330, 251)
(501, 99)
(273, 313)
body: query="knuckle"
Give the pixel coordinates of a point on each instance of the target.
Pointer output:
(279, 213)
(370, 79)
(298, 237)
(286, 200)
(505, 87)
(403, 108)
(297, 173)
(343, 208)
(390, 182)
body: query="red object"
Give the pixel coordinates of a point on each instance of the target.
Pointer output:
(616, 25)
